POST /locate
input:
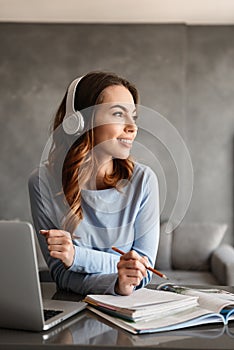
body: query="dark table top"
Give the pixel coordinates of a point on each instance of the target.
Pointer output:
(86, 330)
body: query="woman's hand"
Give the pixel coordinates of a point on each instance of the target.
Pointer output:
(131, 270)
(60, 245)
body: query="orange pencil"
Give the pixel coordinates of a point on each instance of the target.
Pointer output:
(148, 267)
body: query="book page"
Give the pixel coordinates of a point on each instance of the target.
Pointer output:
(212, 299)
(139, 298)
(184, 319)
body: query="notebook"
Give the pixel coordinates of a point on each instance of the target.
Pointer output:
(151, 311)
(21, 303)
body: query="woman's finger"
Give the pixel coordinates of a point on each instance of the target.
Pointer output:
(55, 233)
(132, 254)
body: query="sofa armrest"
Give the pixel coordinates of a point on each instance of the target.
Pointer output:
(222, 264)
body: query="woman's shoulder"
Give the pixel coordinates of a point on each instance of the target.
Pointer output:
(38, 175)
(142, 170)
(33, 176)
(145, 178)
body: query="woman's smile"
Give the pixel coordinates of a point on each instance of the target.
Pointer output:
(126, 142)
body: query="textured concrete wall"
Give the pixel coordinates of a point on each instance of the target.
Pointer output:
(210, 122)
(184, 73)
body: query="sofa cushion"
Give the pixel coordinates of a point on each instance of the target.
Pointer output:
(181, 277)
(192, 245)
(163, 260)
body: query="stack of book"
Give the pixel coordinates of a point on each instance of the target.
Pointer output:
(149, 311)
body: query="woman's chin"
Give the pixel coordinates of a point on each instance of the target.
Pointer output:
(121, 155)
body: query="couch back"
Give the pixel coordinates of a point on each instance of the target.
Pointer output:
(188, 246)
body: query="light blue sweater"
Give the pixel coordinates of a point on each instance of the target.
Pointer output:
(128, 219)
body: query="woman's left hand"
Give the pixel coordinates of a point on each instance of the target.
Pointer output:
(60, 245)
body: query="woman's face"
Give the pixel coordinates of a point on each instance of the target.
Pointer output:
(114, 125)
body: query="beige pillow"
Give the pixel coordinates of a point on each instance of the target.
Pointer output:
(192, 245)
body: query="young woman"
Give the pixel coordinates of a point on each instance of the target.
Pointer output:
(90, 195)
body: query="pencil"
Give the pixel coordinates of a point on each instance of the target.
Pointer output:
(148, 267)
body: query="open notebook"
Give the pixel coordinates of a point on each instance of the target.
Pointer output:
(149, 311)
(21, 304)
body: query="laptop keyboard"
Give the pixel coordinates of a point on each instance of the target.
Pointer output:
(50, 313)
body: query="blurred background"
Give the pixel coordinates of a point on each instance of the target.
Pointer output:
(180, 55)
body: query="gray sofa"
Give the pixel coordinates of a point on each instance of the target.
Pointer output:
(194, 254)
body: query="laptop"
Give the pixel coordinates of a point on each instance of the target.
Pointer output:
(21, 304)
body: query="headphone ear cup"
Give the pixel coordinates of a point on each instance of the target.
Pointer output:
(73, 124)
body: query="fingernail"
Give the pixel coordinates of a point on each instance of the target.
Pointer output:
(44, 231)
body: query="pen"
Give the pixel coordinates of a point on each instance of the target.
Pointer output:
(148, 267)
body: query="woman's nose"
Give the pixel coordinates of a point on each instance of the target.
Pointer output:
(130, 128)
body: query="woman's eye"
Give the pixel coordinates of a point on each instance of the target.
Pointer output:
(118, 114)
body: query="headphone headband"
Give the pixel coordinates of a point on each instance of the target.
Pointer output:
(70, 108)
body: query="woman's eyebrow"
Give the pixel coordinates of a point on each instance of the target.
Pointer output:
(123, 108)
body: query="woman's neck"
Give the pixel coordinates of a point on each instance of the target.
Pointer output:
(100, 171)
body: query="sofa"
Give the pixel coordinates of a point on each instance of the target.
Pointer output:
(191, 254)
(194, 254)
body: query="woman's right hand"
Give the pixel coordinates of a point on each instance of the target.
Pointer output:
(131, 270)
(60, 245)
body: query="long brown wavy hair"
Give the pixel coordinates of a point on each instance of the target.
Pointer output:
(79, 164)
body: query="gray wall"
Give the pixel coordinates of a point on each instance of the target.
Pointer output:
(185, 73)
(210, 122)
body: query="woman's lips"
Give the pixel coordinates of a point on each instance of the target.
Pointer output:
(125, 142)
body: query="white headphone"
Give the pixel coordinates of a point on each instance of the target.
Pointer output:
(73, 121)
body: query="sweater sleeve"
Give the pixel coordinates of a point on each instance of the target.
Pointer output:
(44, 217)
(147, 224)
(94, 261)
